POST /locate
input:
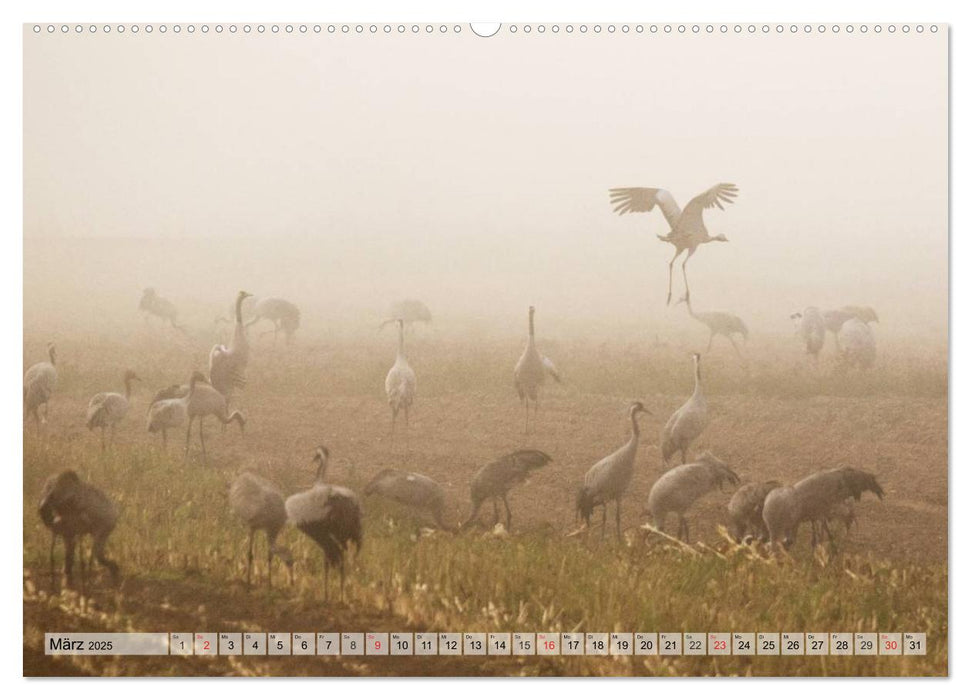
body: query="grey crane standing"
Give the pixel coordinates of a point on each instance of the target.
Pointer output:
(40, 379)
(687, 228)
(227, 365)
(745, 510)
(284, 314)
(417, 491)
(681, 486)
(811, 329)
(71, 509)
(400, 385)
(688, 422)
(531, 370)
(108, 408)
(498, 477)
(260, 505)
(329, 515)
(151, 304)
(608, 479)
(718, 323)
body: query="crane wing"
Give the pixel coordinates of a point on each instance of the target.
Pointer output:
(551, 368)
(639, 199)
(722, 193)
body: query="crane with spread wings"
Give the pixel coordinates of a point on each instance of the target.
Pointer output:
(687, 227)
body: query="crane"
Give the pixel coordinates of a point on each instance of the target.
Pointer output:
(329, 515)
(416, 491)
(688, 422)
(495, 480)
(678, 488)
(400, 385)
(284, 314)
(71, 509)
(227, 365)
(608, 479)
(687, 228)
(40, 379)
(718, 323)
(811, 329)
(151, 304)
(107, 409)
(260, 505)
(531, 371)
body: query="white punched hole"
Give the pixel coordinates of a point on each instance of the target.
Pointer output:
(485, 29)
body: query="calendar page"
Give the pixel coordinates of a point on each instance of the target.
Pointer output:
(449, 349)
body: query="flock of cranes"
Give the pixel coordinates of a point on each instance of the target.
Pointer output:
(331, 515)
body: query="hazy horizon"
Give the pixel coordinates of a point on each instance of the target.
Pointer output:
(346, 172)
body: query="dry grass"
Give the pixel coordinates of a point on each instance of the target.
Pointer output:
(183, 554)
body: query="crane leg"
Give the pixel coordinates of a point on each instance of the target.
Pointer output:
(249, 559)
(684, 272)
(475, 511)
(735, 345)
(526, 425)
(188, 436)
(102, 438)
(495, 510)
(53, 542)
(508, 513)
(326, 580)
(165, 438)
(69, 550)
(112, 434)
(671, 273)
(618, 519)
(202, 438)
(603, 521)
(711, 339)
(342, 579)
(269, 563)
(394, 419)
(98, 551)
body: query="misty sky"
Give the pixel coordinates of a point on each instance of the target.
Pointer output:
(474, 172)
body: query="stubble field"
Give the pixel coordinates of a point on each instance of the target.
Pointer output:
(773, 415)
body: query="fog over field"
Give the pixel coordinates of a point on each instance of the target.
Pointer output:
(345, 172)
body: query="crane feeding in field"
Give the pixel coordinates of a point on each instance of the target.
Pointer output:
(745, 510)
(260, 505)
(531, 371)
(71, 509)
(408, 311)
(608, 479)
(108, 408)
(400, 385)
(688, 422)
(204, 400)
(330, 516)
(681, 486)
(834, 319)
(151, 304)
(417, 491)
(498, 477)
(687, 228)
(284, 314)
(40, 379)
(811, 329)
(859, 346)
(169, 407)
(227, 365)
(718, 323)
(816, 499)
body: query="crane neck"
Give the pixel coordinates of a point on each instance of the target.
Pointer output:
(635, 429)
(401, 339)
(239, 310)
(697, 377)
(127, 387)
(321, 472)
(52, 355)
(532, 328)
